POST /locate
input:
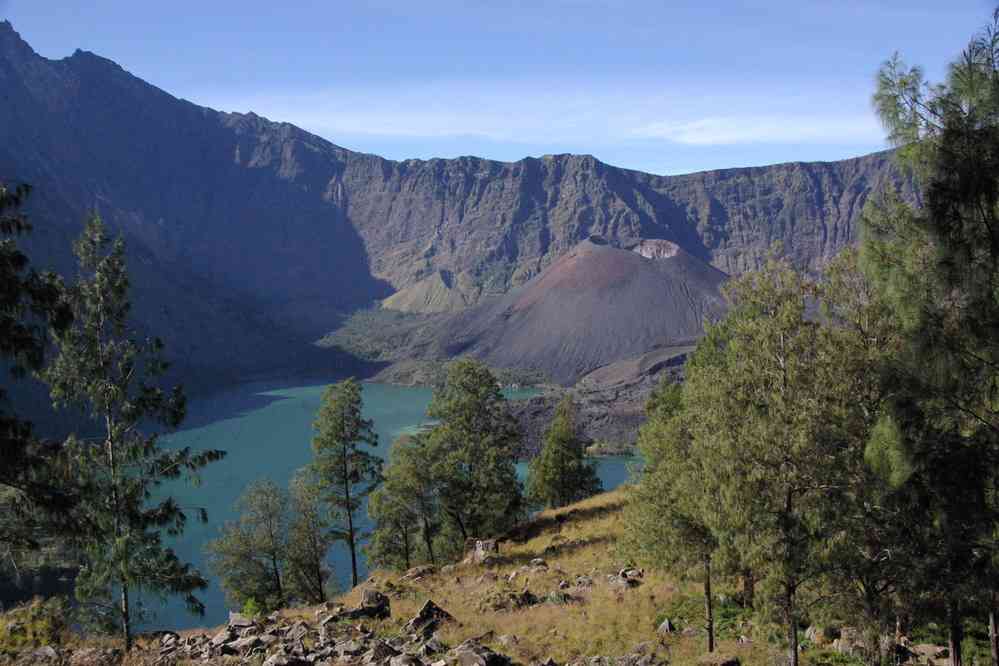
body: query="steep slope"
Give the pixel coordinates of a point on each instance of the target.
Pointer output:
(595, 305)
(279, 233)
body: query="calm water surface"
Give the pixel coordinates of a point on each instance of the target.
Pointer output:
(267, 431)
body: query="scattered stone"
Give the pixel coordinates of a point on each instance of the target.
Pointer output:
(297, 631)
(473, 653)
(416, 573)
(426, 622)
(239, 621)
(559, 597)
(481, 551)
(380, 652)
(431, 647)
(285, 660)
(623, 582)
(408, 660)
(45, 653)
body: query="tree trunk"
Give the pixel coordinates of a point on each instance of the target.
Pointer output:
(792, 627)
(126, 620)
(461, 525)
(748, 588)
(353, 548)
(429, 543)
(350, 523)
(993, 631)
(405, 546)
(956, 633)
(709, 610)
(276, 571)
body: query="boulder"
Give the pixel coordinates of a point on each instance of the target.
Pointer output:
(431, 647)
(416, 573)
(481, 551)
(666, 628)
(425, 622)
(623, 581)
(45, 653)
(285, 660)
(350, 648)
(224, 636)
(297, 631)
(244, 645)
(405, 660)
(380, 652)
(473, 653)
(238, 621)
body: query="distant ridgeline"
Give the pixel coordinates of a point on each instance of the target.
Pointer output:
(251, 239)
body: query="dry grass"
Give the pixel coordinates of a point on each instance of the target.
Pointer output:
(577, 540)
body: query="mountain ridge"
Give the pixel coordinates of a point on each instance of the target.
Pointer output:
(283, 232)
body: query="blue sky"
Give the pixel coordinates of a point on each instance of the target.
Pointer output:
(666, 87)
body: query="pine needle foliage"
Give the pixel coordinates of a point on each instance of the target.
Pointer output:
(111, 372)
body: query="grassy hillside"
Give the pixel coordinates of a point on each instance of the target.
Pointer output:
(572, 608)
(602, 619)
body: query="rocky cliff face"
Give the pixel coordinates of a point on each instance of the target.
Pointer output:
(250, 238)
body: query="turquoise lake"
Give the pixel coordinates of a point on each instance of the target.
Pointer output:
(266, 430)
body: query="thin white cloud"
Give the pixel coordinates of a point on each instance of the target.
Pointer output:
(528, 112)
(761, 129)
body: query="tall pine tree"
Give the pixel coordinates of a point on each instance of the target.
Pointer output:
(103, 367)
(939, 266)
(29, 303)
(472, 449)
(345, 471)
(560, 474)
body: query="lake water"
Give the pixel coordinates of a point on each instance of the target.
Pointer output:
(266, 430)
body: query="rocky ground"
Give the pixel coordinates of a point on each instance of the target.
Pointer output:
(554, 592)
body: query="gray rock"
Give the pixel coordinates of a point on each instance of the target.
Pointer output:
(666, 627)
(238, 621)
(380, 651)
(427, 620)
(405, 660)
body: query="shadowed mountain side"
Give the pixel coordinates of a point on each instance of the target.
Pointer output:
(240, 205)
(596, 305)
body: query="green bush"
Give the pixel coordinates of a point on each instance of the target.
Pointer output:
(251, 608)
(34, 624)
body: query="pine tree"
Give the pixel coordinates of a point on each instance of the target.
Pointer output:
(560, 474)
(250, 556)
(103, 368)
(762, 423)
(665, 513)
(407, 509)
(346, 473)
(872, 553)
(939, 266)
(310, 536)
(472, 449)
(393, 539)
(29, 302)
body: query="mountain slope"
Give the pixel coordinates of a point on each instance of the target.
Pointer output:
(279, 233)
(595, 305)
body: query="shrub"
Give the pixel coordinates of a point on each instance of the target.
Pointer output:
(34, 624)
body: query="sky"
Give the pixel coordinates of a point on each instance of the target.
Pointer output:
(664, 87)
